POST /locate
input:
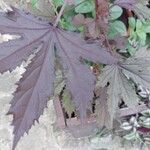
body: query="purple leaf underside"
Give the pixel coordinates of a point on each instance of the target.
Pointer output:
(128, 4)
(36, 85)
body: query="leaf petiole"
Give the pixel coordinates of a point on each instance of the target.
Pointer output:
(60, 13)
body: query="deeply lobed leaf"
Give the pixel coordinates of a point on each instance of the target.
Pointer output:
(116, 78)
(36, 85)
(101, 109)
(139, 7)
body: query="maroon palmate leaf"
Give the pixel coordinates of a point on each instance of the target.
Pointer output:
(119, 80)
(128, 4)
(36, 85)
(101, 110)
(139, 7)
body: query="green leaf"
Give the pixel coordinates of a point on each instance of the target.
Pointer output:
(146, 123)
(42, 8)
(146, 113)
(117, 27)
(33, 2)
(59, 84)
(84, 6)
(138, 24)
(132, 136)
(67, 103)
(144, 120)
(130, 49)
(65, 24)
(132, 22)
(142, 37)
(66, 21)
(112, 33)
(115, 12)
(146, 28)
(58, 3)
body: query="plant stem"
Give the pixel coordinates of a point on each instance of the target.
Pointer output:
(96, 9)
(60, 14)
(129, 14)
(98, 18)
(108, 44)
